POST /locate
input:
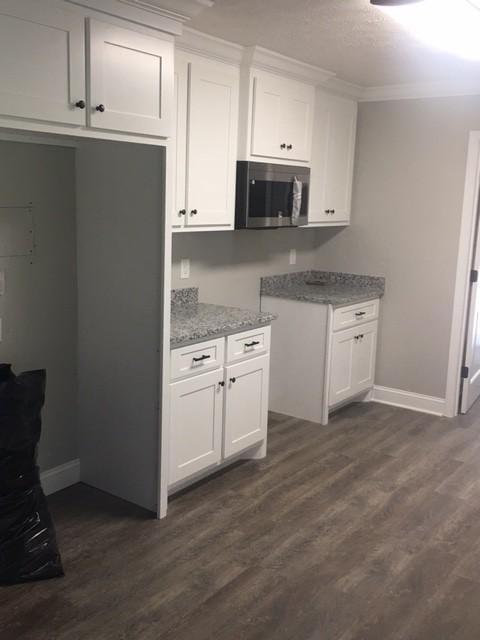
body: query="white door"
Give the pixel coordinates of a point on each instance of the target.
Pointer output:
(212, 143)
(282, 116)
(365, 348)
(333, 152)
(296, 126)
(246, 404)
(195, 425)
(131, 81)
(180, 141)
(470, 390)
(267, 113)
(42, 63)
(341, 383)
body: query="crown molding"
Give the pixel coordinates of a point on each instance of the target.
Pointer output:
(342, 88)
(265, 60)
(170, 17)
(192, 41)
(415, 91)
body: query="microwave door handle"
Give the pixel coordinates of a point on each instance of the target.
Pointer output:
(297, 199)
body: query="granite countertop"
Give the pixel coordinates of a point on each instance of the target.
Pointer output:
(324, 287)
(193, 321)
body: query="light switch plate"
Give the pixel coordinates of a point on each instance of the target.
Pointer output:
(293, 256)
(184, 268)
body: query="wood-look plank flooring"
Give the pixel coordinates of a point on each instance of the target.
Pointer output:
(368, 529)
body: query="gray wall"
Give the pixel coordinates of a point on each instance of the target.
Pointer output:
(227, 266)
(39, 309)
(407, 202)
(120, 196)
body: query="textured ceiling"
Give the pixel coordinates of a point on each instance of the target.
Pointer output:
(349, 37)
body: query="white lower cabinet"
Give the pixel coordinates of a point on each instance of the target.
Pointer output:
(217, 415)
(246, 406)
(352, 362)
(197, 414)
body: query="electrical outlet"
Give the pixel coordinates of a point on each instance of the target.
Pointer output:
(293, 256)
(184, 268)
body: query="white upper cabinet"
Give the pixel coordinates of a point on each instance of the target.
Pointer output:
(42, 63)
(281, 118)
(333, 153)
(207, 124)
(131, 77)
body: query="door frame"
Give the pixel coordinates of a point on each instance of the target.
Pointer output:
(466, 246)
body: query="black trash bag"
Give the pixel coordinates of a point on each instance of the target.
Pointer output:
(28, 547)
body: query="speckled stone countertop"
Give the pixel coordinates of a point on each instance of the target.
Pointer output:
(193, 321)
(324, 287)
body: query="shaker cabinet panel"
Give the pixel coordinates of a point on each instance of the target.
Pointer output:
(333, 152)
(131, 81)
(282, 114)
(246, 404)
(206, 143)
(212, 144)
(42, 63)
(196, 425)
(364, 361)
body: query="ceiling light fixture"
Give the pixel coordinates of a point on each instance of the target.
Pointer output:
(451, 26)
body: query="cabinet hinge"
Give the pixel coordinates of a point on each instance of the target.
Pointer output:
(465, 372)
(474, 275)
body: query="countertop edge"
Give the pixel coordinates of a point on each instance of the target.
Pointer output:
(222, 333)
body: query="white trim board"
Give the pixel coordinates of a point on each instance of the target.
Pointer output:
(60, 477)
(408, 400)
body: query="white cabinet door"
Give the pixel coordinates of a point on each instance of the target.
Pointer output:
(196, 415)
(364, 360)
(267, 118)
(131, 81)
(332, 160)
(282, 115)
(42, 63)
(212, 143)
(180, 141)
(246, 404)
(352, 362)
(341, 383)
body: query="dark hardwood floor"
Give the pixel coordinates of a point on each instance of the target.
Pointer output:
(368, 529)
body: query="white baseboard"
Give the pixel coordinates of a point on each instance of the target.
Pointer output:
(409, 400)
(60, 477)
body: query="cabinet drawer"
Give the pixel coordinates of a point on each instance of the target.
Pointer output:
(248, 343)
(346, 317)
(197, 358)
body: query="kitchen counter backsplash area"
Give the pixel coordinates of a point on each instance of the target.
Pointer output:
(323, 287)
(188, 295)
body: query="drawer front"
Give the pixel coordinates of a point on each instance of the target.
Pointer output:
(248, 344)
(346, 317)
(197, 358)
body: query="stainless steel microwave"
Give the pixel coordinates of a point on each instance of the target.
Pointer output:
(271, 196)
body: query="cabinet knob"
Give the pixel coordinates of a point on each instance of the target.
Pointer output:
(233, 380)
(327, 211)
(100, 107)
(289, 147)
(332, 211)
(221, 383)
(193, 212)
(283, 146)
(80, 104)
(182, 212)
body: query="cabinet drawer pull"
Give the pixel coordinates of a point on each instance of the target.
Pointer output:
(283, 146)
(201, 358)
(289, 147)
(360, 336)
(252, 344)
(233, 380)
(359, 314)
